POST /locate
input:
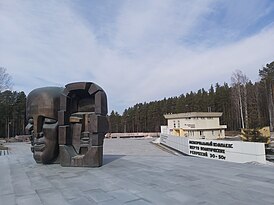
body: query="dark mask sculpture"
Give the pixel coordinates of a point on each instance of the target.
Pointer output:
(42, 114)
(68, 122)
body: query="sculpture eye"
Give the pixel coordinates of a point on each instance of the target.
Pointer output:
(50, 121)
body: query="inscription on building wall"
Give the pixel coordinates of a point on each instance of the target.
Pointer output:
(210, 149)
(232, 151)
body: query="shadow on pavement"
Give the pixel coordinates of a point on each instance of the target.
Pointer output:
(108, 158)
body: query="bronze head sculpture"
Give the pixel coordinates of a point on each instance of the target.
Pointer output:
(70, 123)
(42, 114)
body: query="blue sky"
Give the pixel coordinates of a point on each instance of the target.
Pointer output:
(137, 51)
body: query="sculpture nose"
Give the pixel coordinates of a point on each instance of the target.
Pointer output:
(39, 140)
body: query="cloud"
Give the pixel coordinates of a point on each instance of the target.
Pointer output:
(183, 73)
(136, 50)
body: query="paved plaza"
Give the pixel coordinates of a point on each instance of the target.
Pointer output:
(135, 171)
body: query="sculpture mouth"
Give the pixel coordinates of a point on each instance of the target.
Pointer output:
(39, 145)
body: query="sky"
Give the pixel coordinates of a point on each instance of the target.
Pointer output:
(137, 51)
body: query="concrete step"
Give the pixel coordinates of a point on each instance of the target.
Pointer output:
(4, 152)
(270, 157)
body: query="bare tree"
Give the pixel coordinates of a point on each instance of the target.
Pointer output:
(239, 81)
(5, 79)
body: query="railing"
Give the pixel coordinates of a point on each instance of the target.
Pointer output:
(132, 134)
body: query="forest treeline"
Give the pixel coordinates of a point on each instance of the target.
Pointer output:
(12, 112)
(148, 117)
(244, 104)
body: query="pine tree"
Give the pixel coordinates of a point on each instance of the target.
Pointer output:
(267, 76)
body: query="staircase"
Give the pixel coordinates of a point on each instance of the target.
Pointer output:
(3, 149)
(4, 152)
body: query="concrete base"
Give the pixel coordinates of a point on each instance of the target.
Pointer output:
(93, 157)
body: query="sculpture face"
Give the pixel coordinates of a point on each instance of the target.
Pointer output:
(42, 113)
(83, 124)
(45, 143)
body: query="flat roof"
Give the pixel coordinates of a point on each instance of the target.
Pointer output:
(134, 171)
(192, 114)
(221, 127)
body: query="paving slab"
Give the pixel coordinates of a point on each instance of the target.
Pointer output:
(31, 199)
(134, 171)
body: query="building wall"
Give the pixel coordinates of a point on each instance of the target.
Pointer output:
(206, 134)
(203, 127)
(193, 123)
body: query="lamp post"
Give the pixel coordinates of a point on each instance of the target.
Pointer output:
(125, 123)
(186, 106)
(125, 126)
(9, 131)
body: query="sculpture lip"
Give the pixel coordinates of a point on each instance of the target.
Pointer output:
(39, 147)
(39, 141)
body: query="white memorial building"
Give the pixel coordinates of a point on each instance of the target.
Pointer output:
(200, 134)
(195, 125)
